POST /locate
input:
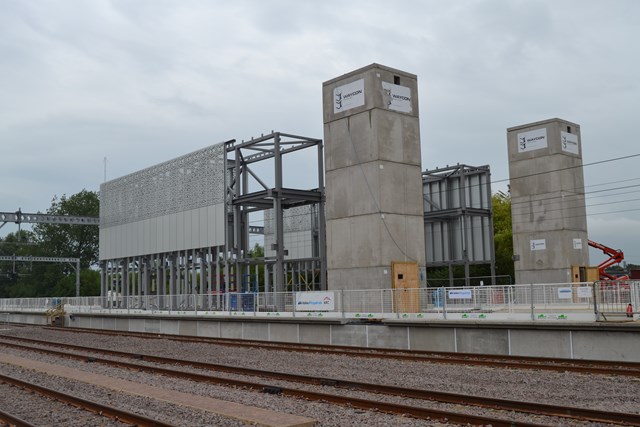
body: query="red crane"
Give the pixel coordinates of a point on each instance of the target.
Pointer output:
(616, 256)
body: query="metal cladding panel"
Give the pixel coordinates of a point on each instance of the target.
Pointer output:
(183, 227)
(203, 229)
(139, 212)
(454, 234)
(211, 221)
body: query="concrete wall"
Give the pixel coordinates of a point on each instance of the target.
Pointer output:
(374, 210)
(547, 200)
(605, 342)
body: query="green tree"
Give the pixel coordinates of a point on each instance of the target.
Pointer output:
(39, 279)
(17, 244)
(257, 256)
(76, 241)
(503, 234)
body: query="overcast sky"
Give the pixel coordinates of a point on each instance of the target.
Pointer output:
(141, 82)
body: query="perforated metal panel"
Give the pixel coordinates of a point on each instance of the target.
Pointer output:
(176, 205)
(181, 184)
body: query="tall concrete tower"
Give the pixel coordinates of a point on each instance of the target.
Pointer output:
(547, 201)
(374, 211)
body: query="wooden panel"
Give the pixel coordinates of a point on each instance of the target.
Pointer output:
(404, 276)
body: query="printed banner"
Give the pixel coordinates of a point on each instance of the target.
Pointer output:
(565, 293)
(532, 140)
(459, 294)
(397, 97)
(584, 292)
(315, 301)
(348, 96)
(569, 143)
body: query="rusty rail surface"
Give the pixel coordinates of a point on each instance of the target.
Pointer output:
(88, 405)
(7, 419)
(444, 397)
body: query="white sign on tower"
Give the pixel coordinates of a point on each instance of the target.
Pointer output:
(532, 140)
(348, 96)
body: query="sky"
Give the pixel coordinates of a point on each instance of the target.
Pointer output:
(139, 82)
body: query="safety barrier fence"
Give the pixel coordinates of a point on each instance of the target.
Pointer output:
(561, 301)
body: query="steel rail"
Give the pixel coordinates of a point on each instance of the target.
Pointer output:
(88, 405)
(431, 395)
(391, 408)
(13, 421)
(602, 367)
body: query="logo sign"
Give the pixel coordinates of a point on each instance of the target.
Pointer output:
(459, 294)
(584, 292)
(565, 293)
(577, 243)
(532, 140)
(315, 301)
(538, 244)
(397, 97)
(569, 143)
(348, 96)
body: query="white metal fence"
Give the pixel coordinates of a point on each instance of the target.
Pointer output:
(537, 302)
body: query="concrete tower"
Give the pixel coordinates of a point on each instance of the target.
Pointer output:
(374, 212)
(547, 201)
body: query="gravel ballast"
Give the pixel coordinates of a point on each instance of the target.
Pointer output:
(589, 391)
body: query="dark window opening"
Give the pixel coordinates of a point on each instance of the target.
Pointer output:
(569, 129)
(400, 276)
(396, 80)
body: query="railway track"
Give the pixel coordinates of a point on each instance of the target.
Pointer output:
(581, 414)
(84, 404)
(603, 367)
(8, 419)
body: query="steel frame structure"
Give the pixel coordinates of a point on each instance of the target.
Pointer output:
(240, 202)
(459, 212)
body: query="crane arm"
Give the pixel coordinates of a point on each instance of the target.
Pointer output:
(616, 256)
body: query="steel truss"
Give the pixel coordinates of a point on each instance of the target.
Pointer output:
(240, 202)
(20, 217)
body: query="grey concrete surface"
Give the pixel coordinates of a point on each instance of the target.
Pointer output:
(547, 203)
(606, 345)
(485, 341)
(188, 327)
(374, 209)
(315, 334)
(284, 332)
(208, 328)
(615, 341)
(381, 336)
(431, 339)
(256, 331)
(355, 335)
(231, 330)
(527, 342)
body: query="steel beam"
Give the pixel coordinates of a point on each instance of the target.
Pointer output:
(20, 217)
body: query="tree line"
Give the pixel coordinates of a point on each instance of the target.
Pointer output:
(39, 279)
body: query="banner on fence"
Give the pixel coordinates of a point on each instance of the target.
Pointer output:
(565, 293)
(315, 301)
(584, 292)
(459, 294)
